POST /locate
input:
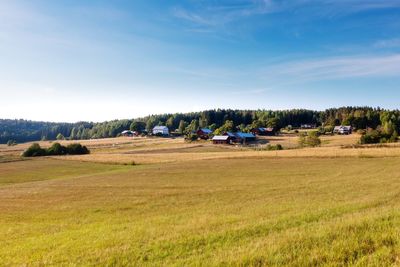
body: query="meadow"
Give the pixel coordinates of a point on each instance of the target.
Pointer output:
(194, 204)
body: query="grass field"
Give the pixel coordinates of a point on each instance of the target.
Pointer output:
(207, 206)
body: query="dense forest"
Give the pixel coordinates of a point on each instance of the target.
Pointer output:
(358, 117)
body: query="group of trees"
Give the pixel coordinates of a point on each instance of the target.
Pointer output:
(384, 121)
(56, 149)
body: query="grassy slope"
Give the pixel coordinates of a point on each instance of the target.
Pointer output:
(238, 211)
(38, 170)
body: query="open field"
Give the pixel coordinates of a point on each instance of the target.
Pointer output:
(191, 204)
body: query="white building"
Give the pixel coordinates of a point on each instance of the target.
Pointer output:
(343, 130)
(163, 130)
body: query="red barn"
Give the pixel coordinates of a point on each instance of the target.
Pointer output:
(204, 133)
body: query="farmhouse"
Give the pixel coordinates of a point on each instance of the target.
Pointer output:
(244, 137)
(221, 139)
(231, 135)
(204, 133)
(240, 137)
(308, 126)
(343, 130)
(160, 130)
(127, 133)
(264, 131)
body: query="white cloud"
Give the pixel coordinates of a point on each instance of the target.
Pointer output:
(214, 14)
(335, 68)
(390, 43)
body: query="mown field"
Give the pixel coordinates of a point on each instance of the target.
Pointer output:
(205, 209)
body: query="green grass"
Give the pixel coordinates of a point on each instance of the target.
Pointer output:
(241, 212)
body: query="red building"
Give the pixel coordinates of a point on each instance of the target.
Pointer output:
(204, 133)
(264, 131)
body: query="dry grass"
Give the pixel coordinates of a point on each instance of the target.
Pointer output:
(231, 212)
(126, 150)
(173, 156)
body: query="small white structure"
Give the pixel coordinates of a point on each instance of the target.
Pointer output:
(127, 133)
(163, 130)
(343, 130)
(221, 139)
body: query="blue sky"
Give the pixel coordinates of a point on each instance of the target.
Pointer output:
(100, 60)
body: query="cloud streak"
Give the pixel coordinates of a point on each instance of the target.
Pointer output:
(219, 14)
(335, 68)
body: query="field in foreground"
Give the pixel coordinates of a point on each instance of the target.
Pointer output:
(242, 211)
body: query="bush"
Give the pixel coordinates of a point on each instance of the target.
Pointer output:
(191, 137)
(361, 131)
(371, 137)
(274, 147)
(56, 149)
(77, 149)
(11, 143)
(34, 151)
(309, 140)
(377, 136)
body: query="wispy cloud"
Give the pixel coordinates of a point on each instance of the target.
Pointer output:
(13, 14)
(191, 17)
(217, 13)
(335, 68)
(220, 14)
(390, 43)
(258, 91)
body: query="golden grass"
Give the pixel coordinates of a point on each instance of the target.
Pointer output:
(125, 150)
(230, 212)
(154, 157)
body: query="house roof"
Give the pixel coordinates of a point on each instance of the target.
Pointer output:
(205, 130)
(245, 135)
(160, 128)
(348, 128)
(220, 138)
(269, 129)
(230, 134)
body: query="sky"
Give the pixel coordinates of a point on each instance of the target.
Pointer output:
(83, 60)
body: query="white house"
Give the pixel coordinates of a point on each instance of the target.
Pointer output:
(163, 130)
(343, 129)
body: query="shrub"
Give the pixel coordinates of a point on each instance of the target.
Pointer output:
(309, 140)
(377, 136)
(77, 149)
(34, 151)
(362, 131)
(191, 137)
(328, 129)
(11, 143)
(274, 147)
(56, 149)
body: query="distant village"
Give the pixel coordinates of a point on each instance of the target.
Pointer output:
(229, 137)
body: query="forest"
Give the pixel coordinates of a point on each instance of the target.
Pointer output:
(382, 120)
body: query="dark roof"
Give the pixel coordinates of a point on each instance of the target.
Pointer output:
(269, 129)
(244, 135)
(205, 130)
(230, 134)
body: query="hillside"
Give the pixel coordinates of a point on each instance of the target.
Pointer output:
(358, 117)
(160, 201)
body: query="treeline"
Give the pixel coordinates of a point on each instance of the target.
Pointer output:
(24, 131)
(358, 117)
